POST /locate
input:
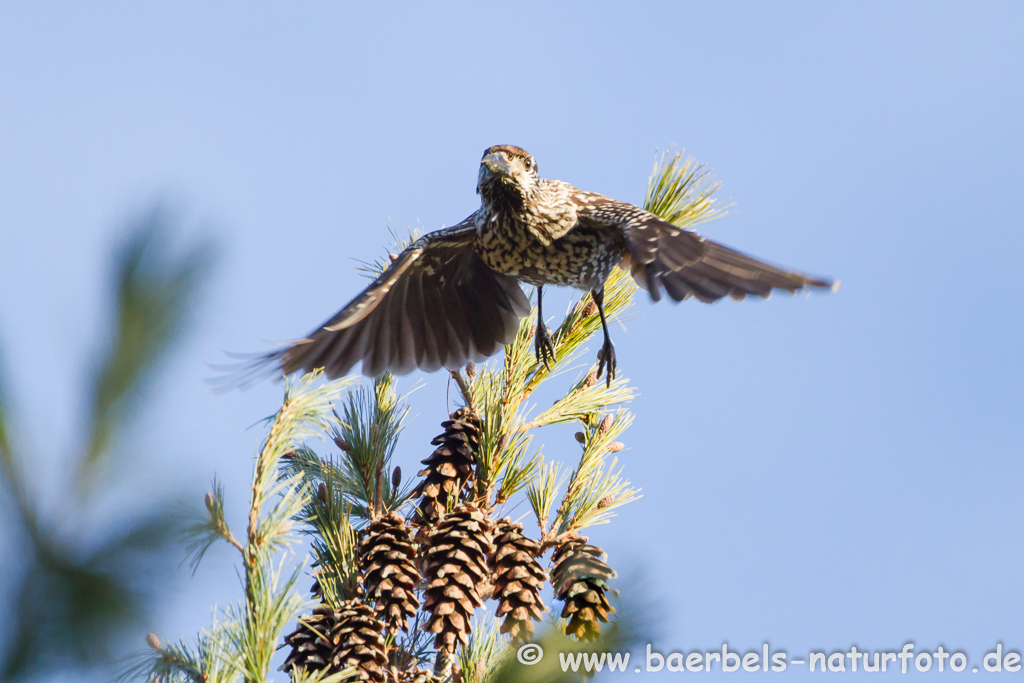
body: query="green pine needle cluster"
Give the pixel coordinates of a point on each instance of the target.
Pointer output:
(242, 642)
(486, 651)
(210, 527)
(72, 571)
(367, 432)
(682, 191)
(333, 540)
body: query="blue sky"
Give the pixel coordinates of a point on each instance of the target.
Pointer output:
(817, 471)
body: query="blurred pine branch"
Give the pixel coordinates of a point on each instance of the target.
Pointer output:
(75, 598)
(154, 296)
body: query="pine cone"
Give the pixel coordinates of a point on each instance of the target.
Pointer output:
(455, 567)
(518, 580)
(309, 649)
(450, 466)
(580, 578)
(334, 640)
(388, 560)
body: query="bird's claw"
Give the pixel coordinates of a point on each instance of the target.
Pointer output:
(606, 357)
(544, 347)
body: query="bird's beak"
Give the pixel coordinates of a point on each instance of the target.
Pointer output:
(496, 163)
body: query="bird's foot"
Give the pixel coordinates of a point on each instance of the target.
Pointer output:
(544, 346)
(606, 357)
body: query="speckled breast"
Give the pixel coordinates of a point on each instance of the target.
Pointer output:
(581, 258)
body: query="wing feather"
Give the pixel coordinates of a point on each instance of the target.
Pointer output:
(456, 317)
(436, 305)
(495, 324)
(684, 263)
(431, 357)
(405, 359)
(380, 350)
(437, 325)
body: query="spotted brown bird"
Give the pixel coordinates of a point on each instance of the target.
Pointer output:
(454, 295)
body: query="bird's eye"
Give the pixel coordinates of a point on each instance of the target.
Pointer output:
(529, 164)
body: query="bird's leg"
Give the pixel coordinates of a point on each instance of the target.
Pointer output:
(606, 356)
(544, 347)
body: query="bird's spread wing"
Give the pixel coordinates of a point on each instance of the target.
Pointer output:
(436, 305)
(683, 263)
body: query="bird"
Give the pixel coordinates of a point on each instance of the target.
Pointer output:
(455, 295)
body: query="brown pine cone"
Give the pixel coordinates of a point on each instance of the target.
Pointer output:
(388, 562)
(450, 467)
(518, 580)
(455, 566)
(334, 640)
(580, 578)
(310, 650)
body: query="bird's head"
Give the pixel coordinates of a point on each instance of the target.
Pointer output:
(507, 170)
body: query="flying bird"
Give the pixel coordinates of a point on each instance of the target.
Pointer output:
(454, 295)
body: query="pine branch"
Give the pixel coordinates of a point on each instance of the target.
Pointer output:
(205, 662)
(598, 499)
(501, 396)
(300, 675)
(594, 490)
(328, 495)
(582, 322)
(399, 243)
(211, 527)
(586, 397)
(303, 415)
(271, 603)
(681, 191)
(367, 433)
(547, 481)
(268, 607)
(166, 662)
(245, 642)
(517, 473)
(467, 393)
(486, 650)
(290, 496)
(153, 297)
(335, 544)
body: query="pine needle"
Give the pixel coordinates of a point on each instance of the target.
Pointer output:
(367, 433)
(207, 661)
(541, 492)
(209, 528)
(484, 652)
(399, 243)
(681, 191)
(596, 488)
(335, 544)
